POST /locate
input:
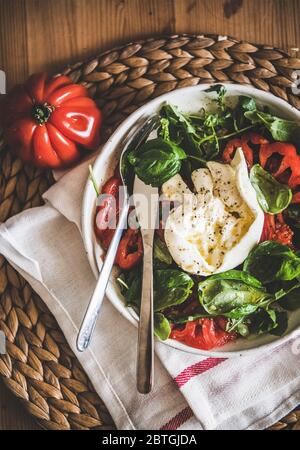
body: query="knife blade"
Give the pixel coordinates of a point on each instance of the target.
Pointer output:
(146, 207)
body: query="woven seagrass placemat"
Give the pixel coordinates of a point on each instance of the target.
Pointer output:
(39, 367)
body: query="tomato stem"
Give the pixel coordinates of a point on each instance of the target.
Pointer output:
(42, 113)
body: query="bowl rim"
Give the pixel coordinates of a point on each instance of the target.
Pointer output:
(89, 244)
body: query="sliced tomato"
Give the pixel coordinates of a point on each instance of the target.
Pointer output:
(287, 168)
(275, 229)
(243, 143)
(130, 251)
(204, 333)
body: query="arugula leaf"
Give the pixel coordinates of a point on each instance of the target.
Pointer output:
(281, 130)
(161, 252)
(247, 103)
(171, 287)
(195, 133)
(177, 118)
(232, 294)
(188, 318)
(288, 294)
(281, 324)
(216, 88)
(272, 196)
(239, 325)
(164, 130)
(270, 261)
(291, 301)
(269, 321)
(162, 328)
(221, 92)
(156, 161)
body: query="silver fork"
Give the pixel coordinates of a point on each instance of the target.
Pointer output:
(134, 141)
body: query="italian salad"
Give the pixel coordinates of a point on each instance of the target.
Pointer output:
(227, 249)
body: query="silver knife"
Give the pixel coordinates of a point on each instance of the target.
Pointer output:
(146, 206)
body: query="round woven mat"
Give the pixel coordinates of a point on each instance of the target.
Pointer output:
(39, 366)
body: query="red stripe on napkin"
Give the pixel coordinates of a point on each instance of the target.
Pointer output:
(180, 380)
(179, 419)
(196, 369)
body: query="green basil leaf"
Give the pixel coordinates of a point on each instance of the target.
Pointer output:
(156, 161)
(227, 294)
(281, 130)
(162, 328)
(161, 252)
(243, 311)
(238, 275)
(171, 287)
(272, 196)
(271, 261)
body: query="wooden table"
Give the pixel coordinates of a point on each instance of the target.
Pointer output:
(46, 34)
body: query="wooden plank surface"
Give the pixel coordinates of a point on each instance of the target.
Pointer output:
(46, 34)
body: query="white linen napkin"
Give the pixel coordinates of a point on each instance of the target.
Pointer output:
(191, 392)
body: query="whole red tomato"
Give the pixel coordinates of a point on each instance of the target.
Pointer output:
(47, 120)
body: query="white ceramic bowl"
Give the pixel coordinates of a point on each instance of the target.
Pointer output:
(189, 99)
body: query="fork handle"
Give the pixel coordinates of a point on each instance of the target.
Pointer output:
(145, 357)
(91, 315)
